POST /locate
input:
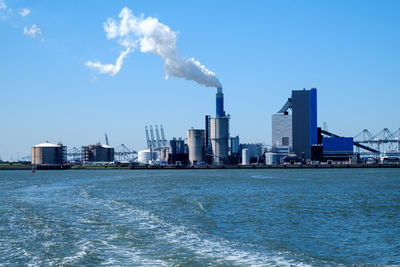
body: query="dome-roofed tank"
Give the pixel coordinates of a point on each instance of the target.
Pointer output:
(49, 154)
(97, 153)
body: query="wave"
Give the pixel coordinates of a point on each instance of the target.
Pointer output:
(205, 247)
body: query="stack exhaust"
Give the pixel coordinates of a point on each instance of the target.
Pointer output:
(219, 131)
(220, 103)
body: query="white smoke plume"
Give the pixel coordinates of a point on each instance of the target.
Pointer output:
(109, 69)
(157, 38)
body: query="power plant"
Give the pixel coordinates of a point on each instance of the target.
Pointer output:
(211, 145)
(296, 139)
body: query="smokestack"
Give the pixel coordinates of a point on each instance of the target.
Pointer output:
(220, 103)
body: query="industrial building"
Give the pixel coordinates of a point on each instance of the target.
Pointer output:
(97, 153)
(49, 154)
(234, 156)
(304, 122)
(282, 129)
(211, 145)
(337, 148)
(332, 147)
(178, 152)
(299, 131)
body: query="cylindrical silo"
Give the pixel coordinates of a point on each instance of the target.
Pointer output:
(271, 158)
(219, 135)
(48, 154)
(246, 156)
(195, 141)
(97, 153)
(144, 156)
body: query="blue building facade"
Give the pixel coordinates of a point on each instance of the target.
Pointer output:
(337, 146)
(220, 103)
(304, 121)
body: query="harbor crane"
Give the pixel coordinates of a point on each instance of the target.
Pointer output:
(149, 144)
(106, 137)
(153, 141)
(159, 141)
(124, 154)
(384, 141)
(159, 145)
(163, 139)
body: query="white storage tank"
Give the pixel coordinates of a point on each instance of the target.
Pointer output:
(196, 139)
(271, 158)
(246, 156)
(144, 156)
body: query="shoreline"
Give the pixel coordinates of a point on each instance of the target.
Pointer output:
(210, 167)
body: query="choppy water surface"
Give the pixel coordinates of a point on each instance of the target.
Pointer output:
(200, 217)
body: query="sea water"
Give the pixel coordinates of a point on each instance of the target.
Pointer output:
(259, 217)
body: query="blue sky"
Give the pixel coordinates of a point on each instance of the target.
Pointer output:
(259, 50)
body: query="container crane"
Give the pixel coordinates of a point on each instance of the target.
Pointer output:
(106, 137)
(149, 143)
(163, 139)
(158, 137)
(153, 141)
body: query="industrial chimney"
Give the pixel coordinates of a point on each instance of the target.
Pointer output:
(219, 131)
(220, 103)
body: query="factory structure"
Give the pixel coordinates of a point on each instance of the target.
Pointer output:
(213, 144)
(296, 136)
(296, 139)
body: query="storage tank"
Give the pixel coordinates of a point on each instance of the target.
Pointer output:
(49, 154)
(145, 156)
(271, 158)
(246, 156)
(97, 153)
(196, 139)
(219, 135)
